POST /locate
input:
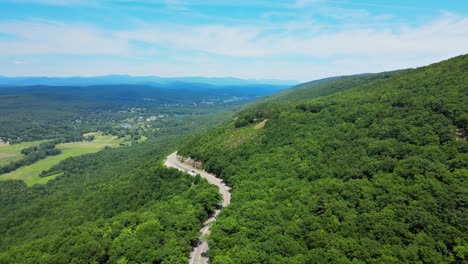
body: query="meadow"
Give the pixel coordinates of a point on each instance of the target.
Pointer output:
(30, 174)
(10, 153)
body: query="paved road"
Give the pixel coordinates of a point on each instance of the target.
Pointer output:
(198, 255)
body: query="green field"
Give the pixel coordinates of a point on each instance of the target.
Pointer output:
(10, 153)
(30, 173)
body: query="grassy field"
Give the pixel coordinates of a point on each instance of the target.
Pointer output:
(30, 173)
(10, 153)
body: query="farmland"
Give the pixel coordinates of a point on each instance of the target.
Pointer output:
(10, 153)
(30, 174)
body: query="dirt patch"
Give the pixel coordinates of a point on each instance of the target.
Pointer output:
(261, 124)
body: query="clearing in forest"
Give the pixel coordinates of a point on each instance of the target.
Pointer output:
(9, 153)
(30, 173)
(261, 124)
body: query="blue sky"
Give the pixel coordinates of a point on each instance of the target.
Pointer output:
(290, 39)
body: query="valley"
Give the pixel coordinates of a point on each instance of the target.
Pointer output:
(233, 132)
(99, 191)
(356, 169)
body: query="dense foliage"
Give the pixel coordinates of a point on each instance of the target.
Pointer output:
(115, 206)
(374, 173)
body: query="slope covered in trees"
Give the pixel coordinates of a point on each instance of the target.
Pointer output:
(115, 206)
(361, 170)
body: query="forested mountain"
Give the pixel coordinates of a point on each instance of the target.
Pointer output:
(362, 169)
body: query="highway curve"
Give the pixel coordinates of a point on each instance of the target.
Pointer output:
(198, 255)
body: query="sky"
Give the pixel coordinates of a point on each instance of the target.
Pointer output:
(285, 39)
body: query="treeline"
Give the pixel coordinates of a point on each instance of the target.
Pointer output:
(32, 155)
(373, 174)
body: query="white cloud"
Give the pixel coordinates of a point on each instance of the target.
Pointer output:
(58, 38)
(22, 62)
(446, 35)
(288, 50)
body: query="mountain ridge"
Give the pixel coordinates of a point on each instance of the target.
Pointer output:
(127, 79)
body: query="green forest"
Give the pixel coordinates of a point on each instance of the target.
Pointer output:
(115, 206)
(118, 205)
(370, 168)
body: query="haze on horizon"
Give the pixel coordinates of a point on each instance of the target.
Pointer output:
(294, 39)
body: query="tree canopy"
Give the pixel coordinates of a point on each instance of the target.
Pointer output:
(361, 169)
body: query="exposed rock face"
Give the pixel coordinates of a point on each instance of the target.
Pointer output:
(191, 162)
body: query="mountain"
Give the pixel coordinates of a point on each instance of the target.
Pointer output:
(139, 80)
(172, 92)
(369, 168)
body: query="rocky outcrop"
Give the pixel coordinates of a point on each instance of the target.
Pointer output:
(191, 162)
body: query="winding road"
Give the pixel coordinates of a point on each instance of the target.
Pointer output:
(198, 255)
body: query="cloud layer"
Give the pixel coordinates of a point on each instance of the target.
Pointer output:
(301, 47)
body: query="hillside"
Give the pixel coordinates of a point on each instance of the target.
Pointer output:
(115, 206)
(359, 169)
(327, 86)
(84, 199)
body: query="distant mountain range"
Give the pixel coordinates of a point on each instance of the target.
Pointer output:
(140, 80)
